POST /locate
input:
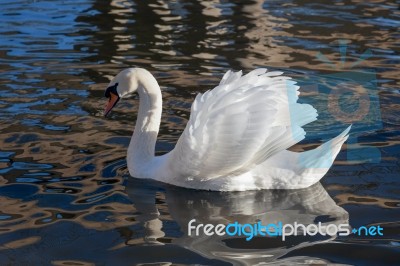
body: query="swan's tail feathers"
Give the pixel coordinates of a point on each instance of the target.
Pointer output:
(324, 155)
(314, 164)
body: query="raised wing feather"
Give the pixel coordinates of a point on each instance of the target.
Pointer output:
(239, 124)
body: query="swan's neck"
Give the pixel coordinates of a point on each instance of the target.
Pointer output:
(142, 146)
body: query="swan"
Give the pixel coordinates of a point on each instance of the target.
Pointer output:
(236, 138)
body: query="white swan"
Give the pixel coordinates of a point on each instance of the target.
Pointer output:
(236, 138)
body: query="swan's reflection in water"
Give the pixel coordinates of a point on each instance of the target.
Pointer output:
(306, 206)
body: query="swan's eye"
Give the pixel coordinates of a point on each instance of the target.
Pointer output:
(111, 89)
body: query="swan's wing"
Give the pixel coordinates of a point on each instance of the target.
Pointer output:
(239, 124)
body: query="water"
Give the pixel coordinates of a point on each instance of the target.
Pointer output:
(65, 193)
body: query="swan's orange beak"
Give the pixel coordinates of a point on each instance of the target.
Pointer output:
(111, 103)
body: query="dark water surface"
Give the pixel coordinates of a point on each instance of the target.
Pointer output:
(65, 195)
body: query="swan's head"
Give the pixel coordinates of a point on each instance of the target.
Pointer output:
(121, 85)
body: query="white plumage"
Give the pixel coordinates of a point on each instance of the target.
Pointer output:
(236, 138)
